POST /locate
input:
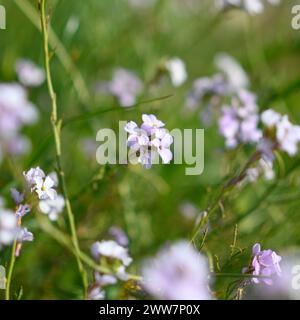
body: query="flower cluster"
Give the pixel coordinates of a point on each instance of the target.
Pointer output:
(52, 207)
(11, 223)
(15, 112)
(43, 185)
(282, 133)
(51, 203)
(116, 258)
(252, 7)
(239, 121)
(206, 88)
(265, 263)
(212, 92)
(109, 249)
(178, 272)
(230, 78)
(149, 141)
(125, 86)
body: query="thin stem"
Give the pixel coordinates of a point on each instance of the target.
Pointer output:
(56, 126)
(10, 270)
(226, 188)
(64, 240)
(239, 275)
(81, 88)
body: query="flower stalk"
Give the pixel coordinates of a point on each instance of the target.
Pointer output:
(56, 126)
(10, 270)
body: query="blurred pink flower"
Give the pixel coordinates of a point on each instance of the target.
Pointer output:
(29, 74)
(126, 86)
(178, 272)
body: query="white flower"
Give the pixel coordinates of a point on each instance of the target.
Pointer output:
(177, 70)
(122, 274)
(33, 174)
(112, 250)
(52, 207)
(263, 167)
(29, 74)
(151, 123)
(233, 71)
(288, 136)
(54, 177)
(267, 169)
(104, 280)
(8, 227)
(44, 188)
(270, 118)
(96, 293)
(163, 147)
(253, 7)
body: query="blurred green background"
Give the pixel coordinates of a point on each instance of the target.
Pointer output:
(146, 204)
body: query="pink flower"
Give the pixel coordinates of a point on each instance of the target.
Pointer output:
(239, 121)
(126, 86)
(151, 123)
(178, 272)
(265, 263)
(29, 74)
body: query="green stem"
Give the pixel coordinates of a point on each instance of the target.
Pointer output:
(239, 275)
(56, 126)
(10, 270)
(64, 240)
(226, 188)
(81, 88)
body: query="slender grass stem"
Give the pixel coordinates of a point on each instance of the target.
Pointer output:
(56, 126)
(228, 186)
(81, 88)
(64, 240)
(10, 270)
